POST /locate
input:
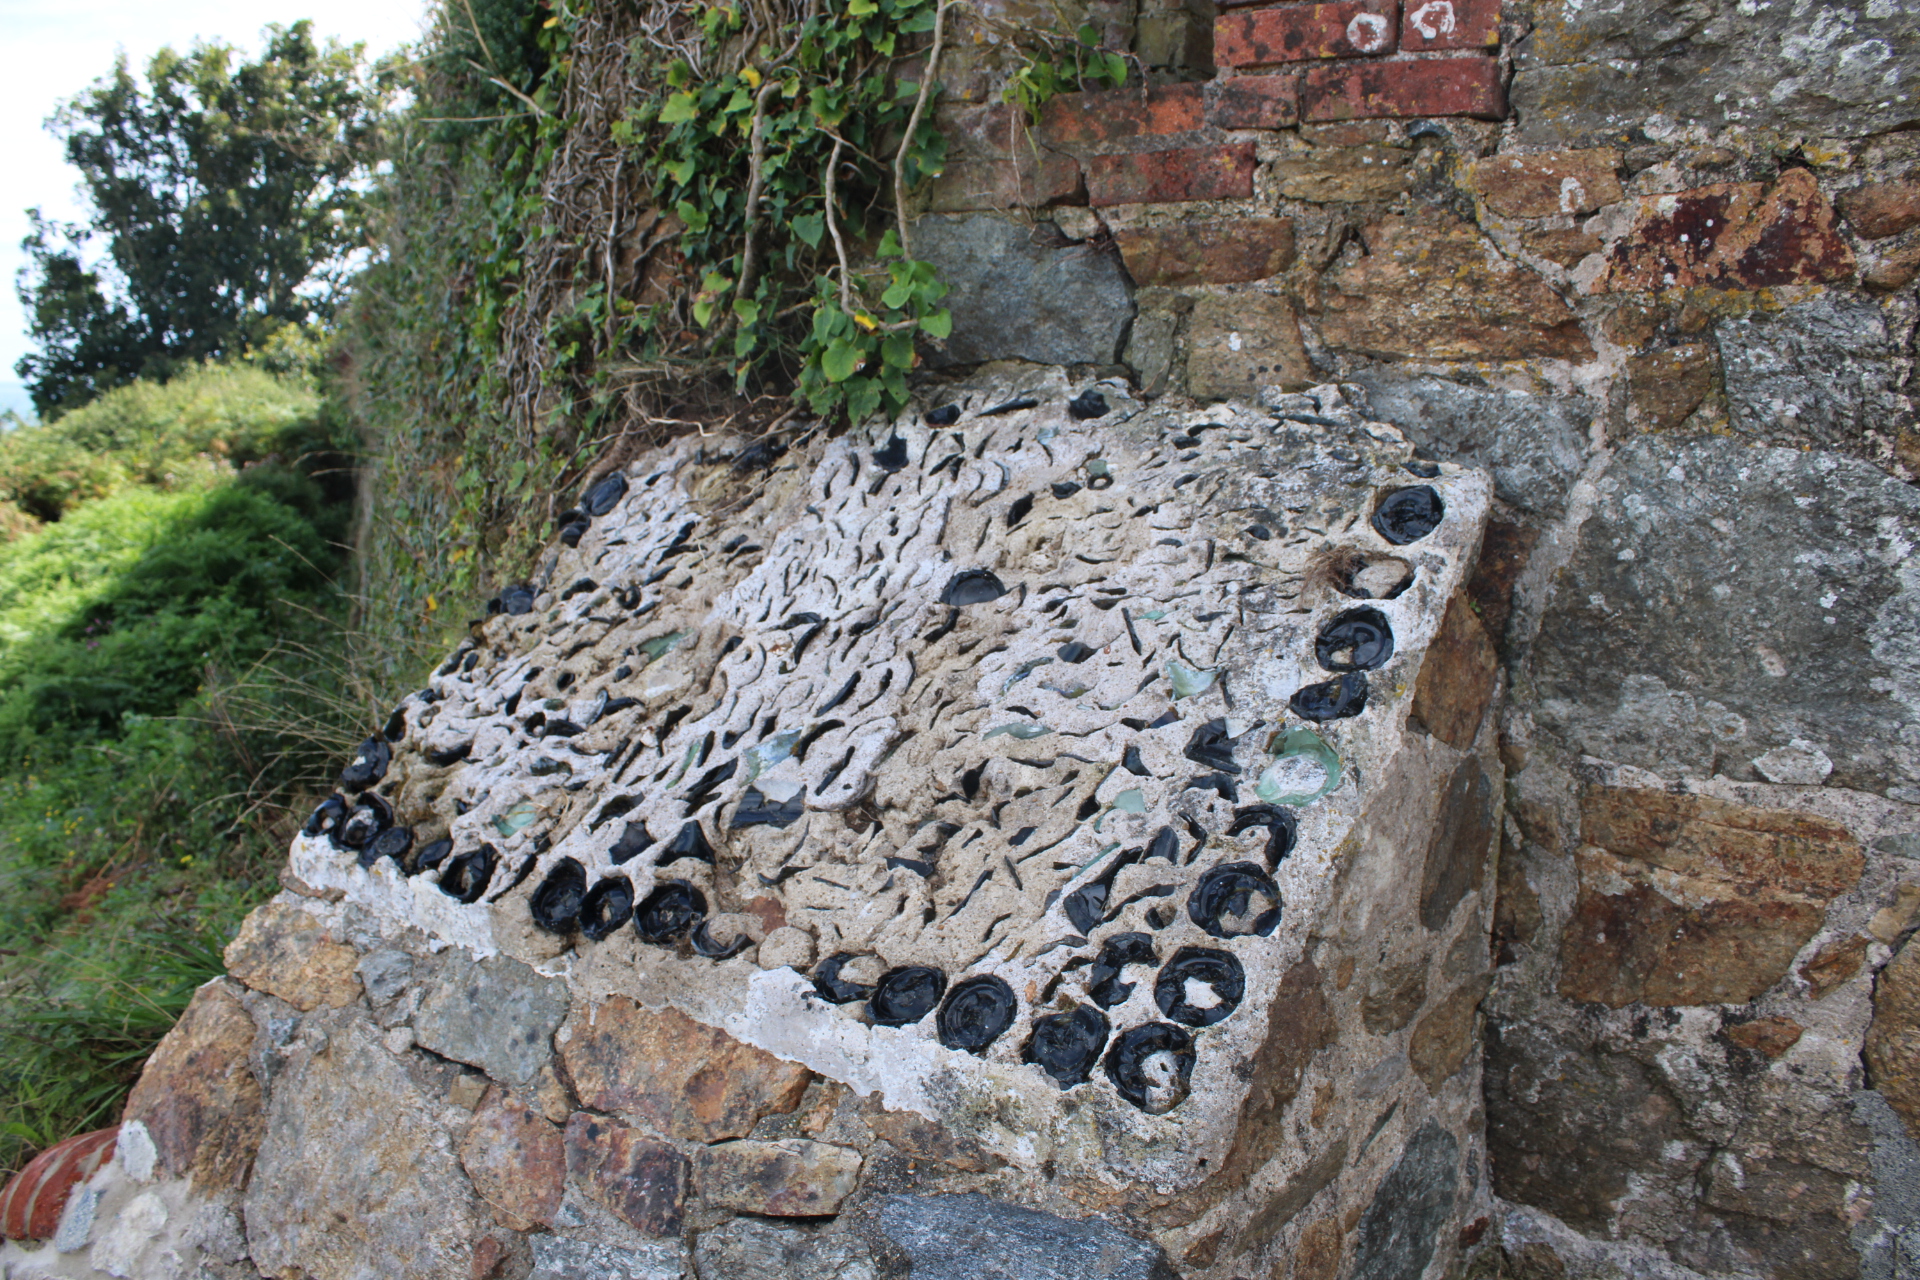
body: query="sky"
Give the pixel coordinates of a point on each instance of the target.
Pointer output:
(53, 51)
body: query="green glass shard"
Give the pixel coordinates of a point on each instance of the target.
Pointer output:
(1288, 779)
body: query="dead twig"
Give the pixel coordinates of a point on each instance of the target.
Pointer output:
(913, 126)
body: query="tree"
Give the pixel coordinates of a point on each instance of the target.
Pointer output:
(229, 197)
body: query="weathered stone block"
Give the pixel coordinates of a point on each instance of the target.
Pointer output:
(790, 1178)
(1665, 386)
(1824, 372)
(496, 1014)
(202, 1106)
(747, 1250)
(1747, 235)
(1330, 174)
(1400, 1230)
(1687, 900)
(1028, 179)
(1198, 252)
(1238, 343)
(560, 1258)
(1434, 288)
(1141, 118)
(285, 952)
(641, 1181)
(966, 1237)
(1543, 184)
(517, 1161)
(1163, 177)
(1455, 690)
(678, 1077)
(1019, 294)
(1881, 209)
(1893, 1040)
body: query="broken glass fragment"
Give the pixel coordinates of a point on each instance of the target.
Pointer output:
(973, 586)
(1304, 769)
(1425, 470)
(1024, 670)
(369, 765)
(394, 842)
(604, 494)
(975, 1013)
(1066, 1045)
(1122, 949)
(706, 944)
(607, 906)
(1235, 900)
(1357, 640)
(1023, 732)
(1187, 682)
(669, 912)
(1088, 404)
(1074, 652)
(1132, 800)
(432, 856)
(1211, 745)
(515, 601)
(904, 996)
(1011, 406)
(370, 816)
(1200, 986)
(688, 842)
(1086, 906)
(1336, 699)
(1166, 844)
(945, 416)
(326, 819)
(1282, 828)
(467, 874)
(556, 903)
(516, 819)
(891, 456)
(632, 843)
(1408, 515)
(1150, 1066)
(757, 809)
(1065, 489)
(831, 986)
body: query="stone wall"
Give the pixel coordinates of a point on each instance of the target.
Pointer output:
(1647, 268)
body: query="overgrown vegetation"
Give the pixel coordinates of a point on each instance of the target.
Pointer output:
(169, 620)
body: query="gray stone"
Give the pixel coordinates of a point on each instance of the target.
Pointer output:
(76, 1220)
(1818, 374)
(1400, 1229)
(746, 1249)
(1726, 601)
(1017, 295)
(1889, 1237)
(385, 974)
(970, 1237)
(355, 1177)
(497, 1015)
(1534, 446)
(1595, 71)
(558, 1258)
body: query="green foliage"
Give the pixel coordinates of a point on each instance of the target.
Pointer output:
(1063, 66)
(227, 195)
(814, 92)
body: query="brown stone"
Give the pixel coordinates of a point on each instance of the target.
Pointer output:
(1457, 678)
(641, 1181)
(1894, 271)
(197, 1094)
(1516, 908)
(1632, 324)
(1768, 1036)
(1688, 900)
(1665, 386)
(1505, 549)
(1741, 233)
(1565, 246)
(1344, 175)
(1029, 179)
(1394, 994)
(284, 952)
(1317, 1255)
(789, 1178)
(1893, 1039)
(1882, 209)
(517, 1161)
(1295, 1194)
(1239, 343)
(914, 1135)
(1443, 1039)
(1189, 253)
(1547, 183)
(1456, 862)
(1433, 287)
(673, 1074)
(1834, 964)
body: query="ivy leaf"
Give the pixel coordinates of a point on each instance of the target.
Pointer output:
(691, 214)
(679, 74)
(679, 109)
(747, 309)
(839, 360)
(863, 397)
(896, 296)
(897, 350)
(681, 171)
(703, 312)
(889, 244)
(938, 324)
(810, 227)
(862, 8)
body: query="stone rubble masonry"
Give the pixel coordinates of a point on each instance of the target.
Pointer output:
(1747, 235)
(202, 1106)
(1893, 1039)
(1300, 32)
(284, 951)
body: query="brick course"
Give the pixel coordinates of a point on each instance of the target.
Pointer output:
(1159, 177)
(1466, 86)
(1302, 32)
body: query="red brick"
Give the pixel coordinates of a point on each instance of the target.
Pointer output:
(1468, 86)
(1254, 102)
(1161, 177)
(1033, 179)
(1450, 24)
(1300, 32)
(1121, 119)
